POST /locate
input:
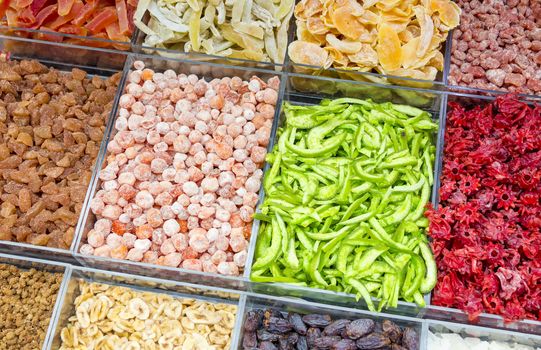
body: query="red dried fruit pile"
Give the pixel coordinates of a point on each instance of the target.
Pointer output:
(97, 19)
(486, 232)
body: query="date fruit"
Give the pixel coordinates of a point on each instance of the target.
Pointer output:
(317, 320)
(373, 341)
(360, 328)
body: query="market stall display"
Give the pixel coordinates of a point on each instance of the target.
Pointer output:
(345, 196)
(52, 124)
(95, 19)
(398, 38)
(273, 187)
(249, 30)
(485, 233)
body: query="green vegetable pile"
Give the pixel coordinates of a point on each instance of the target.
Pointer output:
(345, 198)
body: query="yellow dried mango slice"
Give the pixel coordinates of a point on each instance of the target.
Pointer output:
(437, 61)
(427, 30)
(316, 26)
(302, 52)
(345, 46)
(448, 11)
(387, 5)
(304, 35)
(409, 53)
(388, 48)
(346, 23)
(366, 57)
(308, 8)
(340, 60)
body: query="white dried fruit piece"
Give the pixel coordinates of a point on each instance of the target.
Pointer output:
(120, 318)
(253, 30)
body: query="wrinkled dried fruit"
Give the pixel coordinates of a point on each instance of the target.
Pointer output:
(311, 335)
(249, 340)
(277, 325)
(336, 327)
(317, 320)
(267, 345)
(360, 328)
(410, 339)
(373, 341)
(264, 335)
(392, 330)
(297, 323)
(253, 320)
(326, 342)
(302, 344)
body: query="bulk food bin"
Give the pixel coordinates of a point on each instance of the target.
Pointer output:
(25, 264)
(299, 90)
(63, 57)
(485, 334)
(177, 290)
(469, 99)
(202, 69)
(139, 45)
(302, 307)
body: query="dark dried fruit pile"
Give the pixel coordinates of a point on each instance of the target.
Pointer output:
(486, 233)
(272, 330)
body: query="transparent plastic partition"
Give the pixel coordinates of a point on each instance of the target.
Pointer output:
(57, 37)
(368, 77)
(53, 267)
(254, 302)
(300, 90)
(139, 46)
(202, 69)
(178, 290)
(452, 314)
(484, 334)
(64, 57)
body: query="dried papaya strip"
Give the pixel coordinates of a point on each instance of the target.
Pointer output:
(75, 10)
(44, 15)
(122, 12)
(102, 20)
(86, 12)
(64, 7)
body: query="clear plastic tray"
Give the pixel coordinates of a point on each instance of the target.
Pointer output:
(29, 263)
(63, 57)
(431, 101)
(208, 71)
(143, 284)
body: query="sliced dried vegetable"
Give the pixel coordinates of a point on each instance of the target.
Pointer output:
(392, 37)
(96, 19)
(244, 29)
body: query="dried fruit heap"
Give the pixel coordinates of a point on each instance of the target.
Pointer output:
(400, 38)
(98, 19)
(486, 233)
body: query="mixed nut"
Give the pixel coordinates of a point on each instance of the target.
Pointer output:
(272, 330)
(27, 298)
(114, 317)
(51, 127)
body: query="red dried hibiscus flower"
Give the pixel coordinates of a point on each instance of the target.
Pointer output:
(486, 231)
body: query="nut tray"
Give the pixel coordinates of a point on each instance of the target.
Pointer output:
(295, 87)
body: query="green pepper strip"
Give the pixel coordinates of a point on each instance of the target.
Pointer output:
(368, 258)
(367, 176)
(399, 163)
(314, 271)
(273, 251)
(328, 236)
(361, 289)
(329, 146)
(353, 206)
(291, 257)
(343, 254)
(362, 188)
(428, 165)
(410, 188)
(400, 213)
(363, 217)
(316, 135)
(273, 173)
(346, 100)
(420, 209)
(429, 282)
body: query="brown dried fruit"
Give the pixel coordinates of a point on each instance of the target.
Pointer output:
(46, 157)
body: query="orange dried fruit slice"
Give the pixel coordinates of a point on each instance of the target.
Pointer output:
(345, 46)
(427, 30)
(316, 26)
(346, 23)
(409, 53)
(388, 48)
(449, 12)
(302, 52)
